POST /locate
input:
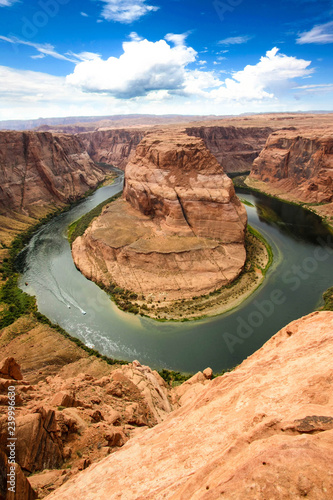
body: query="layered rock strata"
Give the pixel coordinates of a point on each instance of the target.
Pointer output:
(235, 148)
(263, 431)
(177, 232)
(298, 163)
(112, 146)
(39, 168)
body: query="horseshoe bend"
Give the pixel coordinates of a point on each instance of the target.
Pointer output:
(177, 232)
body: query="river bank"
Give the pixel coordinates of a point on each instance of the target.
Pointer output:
(323, 210)
(64, 295)
(259, 258)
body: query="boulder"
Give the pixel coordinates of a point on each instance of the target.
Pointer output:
(38, 445)
(10, 369)
(64, 399)
(23, 489)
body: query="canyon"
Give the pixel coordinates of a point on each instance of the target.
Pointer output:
(179, 230)
(297, 165)
(98, 430)
(43, 169)
(40, 172)
(112, 146)
(235, 148)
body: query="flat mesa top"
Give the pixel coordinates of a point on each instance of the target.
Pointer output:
(121, 225)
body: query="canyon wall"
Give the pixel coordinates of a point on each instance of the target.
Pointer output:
(112, 146)
(297, 163)
(179, 229)
(235, 148)
(39, 168)
(264, 430)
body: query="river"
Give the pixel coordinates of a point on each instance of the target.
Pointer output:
(302, 271)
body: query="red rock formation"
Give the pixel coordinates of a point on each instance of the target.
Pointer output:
(43, 169)
(9, 369)
(264, 430)
(235, 148)
(63, 418)
(180, 231)
(112, 146)
(298, 162)
(22, 488)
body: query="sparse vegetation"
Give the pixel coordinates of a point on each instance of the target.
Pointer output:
(328, 300)
(173, 378)
(246, 202)
(15, 302)
(79, 226)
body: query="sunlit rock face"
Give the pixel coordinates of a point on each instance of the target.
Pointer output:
(40, 168)
(298, 162)
(264, 430)
(179, 229)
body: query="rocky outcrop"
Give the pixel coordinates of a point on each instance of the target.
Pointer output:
(235, 148)
(9, 369)
(298, 163)
(179, 229)
(13, 483)
(67, 423)
(112, 146)
(41, 169)
(264, 430)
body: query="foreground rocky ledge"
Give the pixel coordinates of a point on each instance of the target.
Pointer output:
(263, 431)
(179, 230)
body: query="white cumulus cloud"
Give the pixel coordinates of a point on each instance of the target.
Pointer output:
(126, 11)
(143, 67)
(322, 33)
(273, 73)
(156, 77)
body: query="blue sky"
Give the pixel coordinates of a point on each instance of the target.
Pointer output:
(102, 57)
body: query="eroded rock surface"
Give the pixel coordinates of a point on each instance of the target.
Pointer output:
(112, 146)
(263, 431)
(68, 422)
(235, 148)
(298, 163)
(179, 229)
(39, 168)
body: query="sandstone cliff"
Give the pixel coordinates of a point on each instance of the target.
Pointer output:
(297, 163)
(263, 431)
(112, 146)
(38, 168)
(179, 230)
(235, 148)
